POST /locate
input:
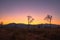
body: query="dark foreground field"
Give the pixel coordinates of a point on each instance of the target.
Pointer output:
(29, 34)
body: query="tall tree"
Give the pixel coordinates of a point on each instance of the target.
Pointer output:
(48, 18)
(30, 19)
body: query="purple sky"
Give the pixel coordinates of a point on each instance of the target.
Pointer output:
(36, 8)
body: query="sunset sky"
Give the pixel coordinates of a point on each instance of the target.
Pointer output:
(15, 11)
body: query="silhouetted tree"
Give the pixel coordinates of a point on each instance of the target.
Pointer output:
(30, 20)
(48, 18)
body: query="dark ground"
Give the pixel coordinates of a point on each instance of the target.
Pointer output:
(29, 34)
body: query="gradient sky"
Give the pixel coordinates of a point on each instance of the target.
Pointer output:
(17, 11)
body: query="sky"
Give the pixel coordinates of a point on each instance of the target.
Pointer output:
(16, 11)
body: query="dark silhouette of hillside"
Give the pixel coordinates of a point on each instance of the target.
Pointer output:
(14, 25)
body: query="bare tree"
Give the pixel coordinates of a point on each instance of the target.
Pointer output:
(30, 19)
(48, 18)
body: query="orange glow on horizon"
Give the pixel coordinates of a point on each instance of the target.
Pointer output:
(35, 22)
